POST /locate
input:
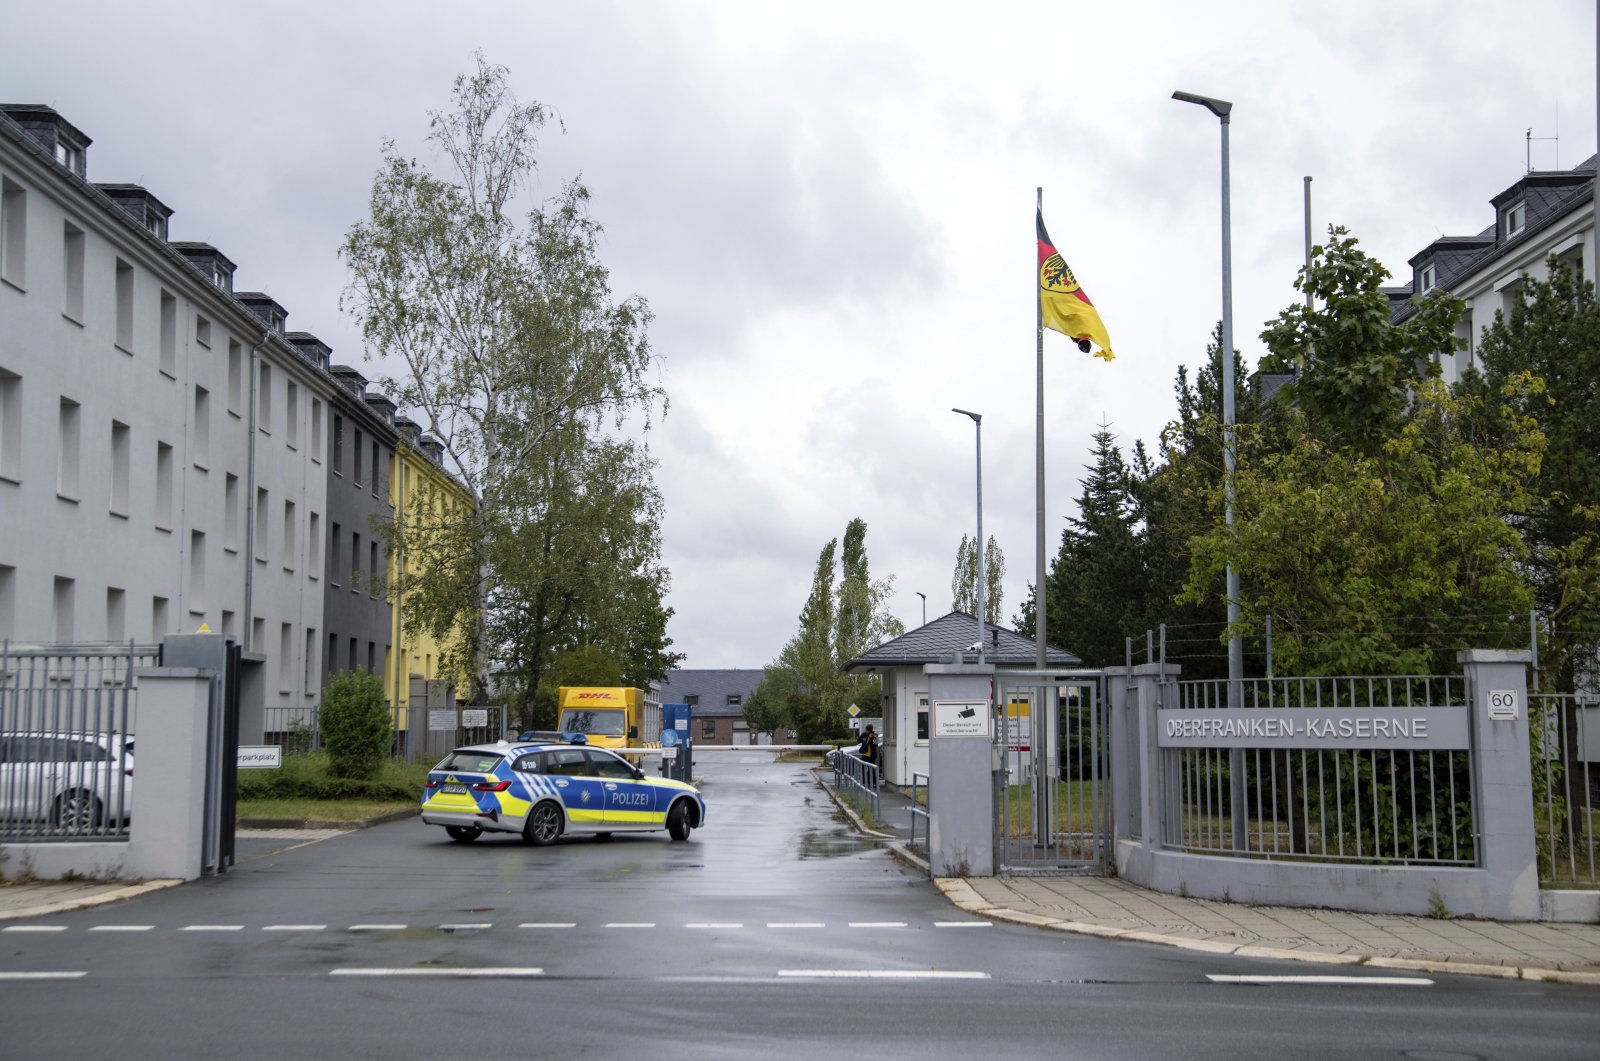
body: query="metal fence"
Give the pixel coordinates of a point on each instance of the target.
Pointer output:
(297, 731)
(1052, 797)
(1565, 730)
(67, 724)
(1349, 804)
(919, 812)
(857, 780)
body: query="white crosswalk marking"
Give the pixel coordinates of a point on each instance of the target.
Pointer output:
(432, 971)
(630, 924)
(963, 924)
(877, 924)
(377, 928)
(713, 924)
(34, 928)
(548, 924)
(1368, 981)
(44, 976)
(293, 928)
(884, 974)
(121, 928)
(797, 924)
(212, 928)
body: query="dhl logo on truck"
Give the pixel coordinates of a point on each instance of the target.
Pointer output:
(594, 696)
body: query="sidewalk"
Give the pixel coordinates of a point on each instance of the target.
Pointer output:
(1115, 909)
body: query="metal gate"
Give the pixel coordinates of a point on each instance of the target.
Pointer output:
(1052, 788)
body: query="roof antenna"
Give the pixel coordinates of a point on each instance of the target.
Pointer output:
(1530, 138)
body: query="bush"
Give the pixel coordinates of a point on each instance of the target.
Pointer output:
(355, 724)
(309, 777)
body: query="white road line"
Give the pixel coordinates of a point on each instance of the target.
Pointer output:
(376, 928)
(797, 924)
(1380, 981)
(34, 928)
(466, 927)
(293, 928)
(548, 924)
(963, 924)
(43, 976)
(121, 928)
(630, 924)
(713, 924)
(884, 974)
(212, 928)
(877, 924)
(412, 970)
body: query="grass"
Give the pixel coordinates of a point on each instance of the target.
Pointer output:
(329, 810)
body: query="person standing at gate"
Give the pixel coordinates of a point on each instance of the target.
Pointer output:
(869, 746)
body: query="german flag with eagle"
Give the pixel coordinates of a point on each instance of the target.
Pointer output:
(1063, 304)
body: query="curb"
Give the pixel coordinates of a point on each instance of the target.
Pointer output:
(112, 896)
(964, 897)
(857, 821)
(320, 823)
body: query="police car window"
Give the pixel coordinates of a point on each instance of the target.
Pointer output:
(610, 766)
(469, 762)
(569, 761)
(528, 764)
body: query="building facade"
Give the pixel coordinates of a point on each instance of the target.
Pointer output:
(716, 699)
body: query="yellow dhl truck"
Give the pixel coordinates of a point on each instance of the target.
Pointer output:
(616, 717)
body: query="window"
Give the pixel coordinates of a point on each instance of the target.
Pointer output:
(230, 513)
(228, 623)
(291, 409)
(67, 451)
(335, 571)
(70, 155)
(373, 578)
(197, 573)
(1513, 220)
(202, 428)
(285, 657)
(352, 665)
(609, 766)
(338, 444)
(708, 729)
(372, 657)
(735, 700)
(163, 486)
(158, 617)
(355, 563)
(116, 614)
(333, 649)
(355, 471)
(72, 272)
(261, 525)
(169, 335)
(264, 400)
(288, 535)
(63, 603)
(314, 546)
(235, 376)
(376, 486)
(8, 601)
(124, 338)
(693, 700)
(202, 331)
(316, 430)
(922, 718)
(1426, 279)
(13, 233)
(258, 634)
(121, 467)
(311, 660)
(10, 426)
(154, 223)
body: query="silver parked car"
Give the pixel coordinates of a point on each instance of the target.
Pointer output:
(75, 782)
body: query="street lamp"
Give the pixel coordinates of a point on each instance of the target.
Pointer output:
(924, 597)
(977, 420)
(1222, 108)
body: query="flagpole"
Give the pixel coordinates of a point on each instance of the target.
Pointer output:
(1040, 625)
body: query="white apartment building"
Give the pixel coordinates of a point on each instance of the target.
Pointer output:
(161, 441)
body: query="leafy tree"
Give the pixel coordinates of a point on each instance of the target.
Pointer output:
(1553, 332)
(355, 723)
(765, 711)
(863, 619)
(964, 579)
(519, 359)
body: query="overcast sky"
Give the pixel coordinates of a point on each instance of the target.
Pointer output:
(827, 206)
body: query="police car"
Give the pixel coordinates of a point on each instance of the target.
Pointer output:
(547, 789)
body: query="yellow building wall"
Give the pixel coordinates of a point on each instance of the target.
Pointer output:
(415, 652)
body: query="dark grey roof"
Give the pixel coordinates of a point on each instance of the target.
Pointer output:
(1548, 197)
(713, 687)
(941, 640)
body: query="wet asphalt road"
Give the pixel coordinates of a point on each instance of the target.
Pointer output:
(774, 932)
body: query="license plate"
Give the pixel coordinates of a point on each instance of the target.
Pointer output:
(454, 790)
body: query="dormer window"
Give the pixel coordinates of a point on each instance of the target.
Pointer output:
(1427, 279)
(70, 155)
(278, 321)
(221, 277)
(155, 224)
(1513, 219)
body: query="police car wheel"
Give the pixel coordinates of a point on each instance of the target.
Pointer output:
(543, 826)
(463, 834)
(678, 821)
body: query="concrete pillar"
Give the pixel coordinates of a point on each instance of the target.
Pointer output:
(1497, 687)
(960, 769)
(167, 830)
(1136, 788)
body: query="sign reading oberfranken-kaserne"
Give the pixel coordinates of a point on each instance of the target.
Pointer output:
(1417, 729)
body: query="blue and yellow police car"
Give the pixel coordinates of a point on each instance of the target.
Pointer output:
(547, 789)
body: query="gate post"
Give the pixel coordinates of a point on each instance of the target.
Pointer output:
(1497, 687)
(960, 769)
(1138, 786)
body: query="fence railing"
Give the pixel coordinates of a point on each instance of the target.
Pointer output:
(857, 779)
(919, 812)
(1565, 731)
(1342, 770)
(67, 724)
(296, 731)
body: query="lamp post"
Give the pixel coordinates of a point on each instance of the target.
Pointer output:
(924, 597)
(977, 420)
(1222, 109)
